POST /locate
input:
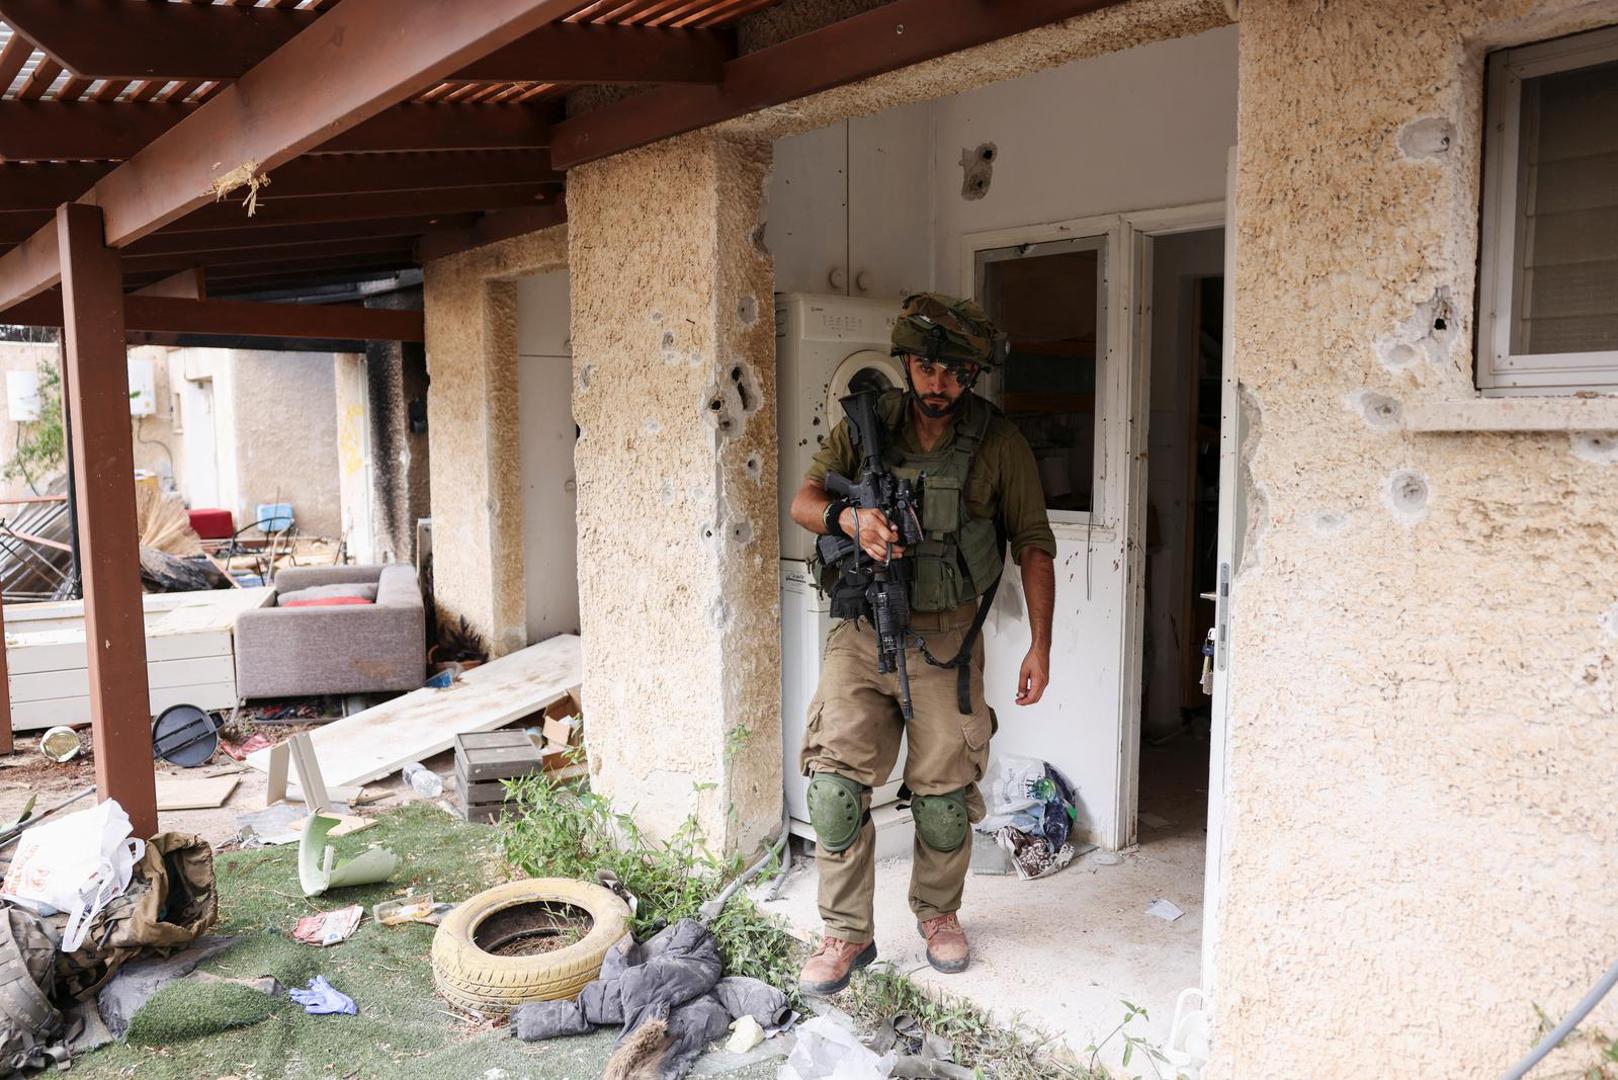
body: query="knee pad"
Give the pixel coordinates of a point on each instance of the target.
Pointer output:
(836, 810)
(941, 820)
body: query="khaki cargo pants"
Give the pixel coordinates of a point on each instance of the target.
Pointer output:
(854, 729)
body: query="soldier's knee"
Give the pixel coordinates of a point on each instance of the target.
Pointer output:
(941, 820)
(836, 810)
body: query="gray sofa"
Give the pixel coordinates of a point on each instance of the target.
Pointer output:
(350, 649)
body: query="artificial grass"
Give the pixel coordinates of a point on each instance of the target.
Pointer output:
(403, 1029)
(187, 1009)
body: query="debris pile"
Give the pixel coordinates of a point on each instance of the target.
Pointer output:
(1031, 814)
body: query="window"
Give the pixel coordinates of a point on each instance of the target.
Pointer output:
(1050, 301)
(1548, 285)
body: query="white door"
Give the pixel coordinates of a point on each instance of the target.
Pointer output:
(1232, 525)
(546, 438)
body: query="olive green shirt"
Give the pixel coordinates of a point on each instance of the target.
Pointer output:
(1003, 482)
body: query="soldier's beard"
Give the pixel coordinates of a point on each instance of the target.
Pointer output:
(936, 412)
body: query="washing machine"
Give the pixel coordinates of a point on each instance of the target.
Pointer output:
(826, 347)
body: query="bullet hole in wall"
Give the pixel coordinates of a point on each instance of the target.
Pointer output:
(1429, 137)
(977, 167)
(1407, 495)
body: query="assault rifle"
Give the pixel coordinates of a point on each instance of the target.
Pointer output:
(877, 591)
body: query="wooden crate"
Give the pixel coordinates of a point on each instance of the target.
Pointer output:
(482, 760)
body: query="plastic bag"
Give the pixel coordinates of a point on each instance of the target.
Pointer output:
(1010, 794)
(828, 1051)
(77, 864)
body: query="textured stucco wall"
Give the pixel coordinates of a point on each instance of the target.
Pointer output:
(475, 470)
(286, 437)
(1421, 762)
(1105, 31)
(673, 339)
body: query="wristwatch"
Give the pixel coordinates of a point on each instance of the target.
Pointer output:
(830, 518)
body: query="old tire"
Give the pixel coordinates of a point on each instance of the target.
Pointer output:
(493, 985)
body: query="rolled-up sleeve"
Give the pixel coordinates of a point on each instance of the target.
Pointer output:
(1022, 501)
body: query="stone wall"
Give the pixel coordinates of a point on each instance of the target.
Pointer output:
(674, 373)
(1420, 829)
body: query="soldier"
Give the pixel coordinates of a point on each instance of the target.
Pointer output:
(981, 491)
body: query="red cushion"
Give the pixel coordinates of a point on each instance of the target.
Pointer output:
(326, 601)
(212, 524)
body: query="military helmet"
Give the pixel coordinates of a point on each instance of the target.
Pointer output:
(947, 331)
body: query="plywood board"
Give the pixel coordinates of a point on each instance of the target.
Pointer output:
(177, 791)
(382, 740)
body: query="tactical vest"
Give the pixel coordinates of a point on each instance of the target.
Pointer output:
(959, 556)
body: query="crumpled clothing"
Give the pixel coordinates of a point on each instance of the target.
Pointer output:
(672, 981)
(323, 999)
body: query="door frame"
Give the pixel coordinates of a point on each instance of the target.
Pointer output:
(1118, 512)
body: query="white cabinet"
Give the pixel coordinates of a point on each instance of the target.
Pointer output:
(849, 210)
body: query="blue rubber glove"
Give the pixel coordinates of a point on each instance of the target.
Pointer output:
(322, 999)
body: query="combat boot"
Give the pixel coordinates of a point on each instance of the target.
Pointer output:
(946, 943)
(829, 968)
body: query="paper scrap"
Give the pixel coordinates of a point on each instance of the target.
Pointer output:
(329, 927)
(1166, 910)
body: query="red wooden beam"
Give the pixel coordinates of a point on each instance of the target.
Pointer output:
(189, 284)
(44, 187)
(136, 39)
(489, 229)
(96, 393)
(581, 53)
(171, 243)
(886, 38)
(138, 265)
(368, 54)
(382, 204)
(163, 314)
(105, 130)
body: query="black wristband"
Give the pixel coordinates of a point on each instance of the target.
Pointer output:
(829, 517)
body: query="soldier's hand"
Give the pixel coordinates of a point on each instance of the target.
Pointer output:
(876, 532)
(1033, 677)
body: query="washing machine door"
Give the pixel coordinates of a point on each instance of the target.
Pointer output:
(863, 370)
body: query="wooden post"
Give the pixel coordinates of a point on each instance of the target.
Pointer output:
(5, 689)
(96, 394)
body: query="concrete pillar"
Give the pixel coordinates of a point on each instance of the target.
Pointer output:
(674, 390)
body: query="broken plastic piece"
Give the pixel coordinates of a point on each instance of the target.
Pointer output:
(316, 872)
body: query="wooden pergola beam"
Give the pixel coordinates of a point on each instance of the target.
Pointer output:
(136, 39)
(362, 57)
(489, 229)
(143, 313)
(39, 187)
(313, 209)
(101, 130)
(251, 236)
(886, 38)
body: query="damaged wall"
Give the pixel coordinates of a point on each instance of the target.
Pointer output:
(399, 458)
(472, 429)
(1420, 832)
(673, 348)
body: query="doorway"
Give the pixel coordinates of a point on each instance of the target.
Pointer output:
(1183, 352)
